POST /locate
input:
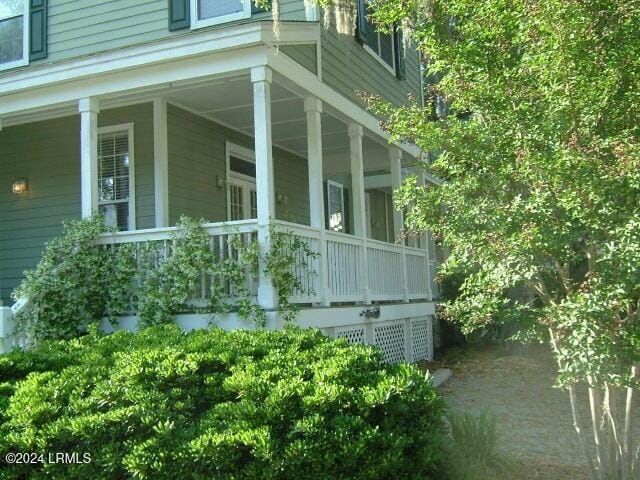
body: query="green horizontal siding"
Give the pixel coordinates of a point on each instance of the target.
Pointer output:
(197, 158)
(349, 68)
(47, 154)
(84, 27)
(305, 55)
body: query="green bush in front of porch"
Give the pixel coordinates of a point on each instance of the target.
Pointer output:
(223, 405)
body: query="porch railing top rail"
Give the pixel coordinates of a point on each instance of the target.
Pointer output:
(156, 234)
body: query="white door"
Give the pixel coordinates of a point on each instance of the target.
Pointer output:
(243, 199)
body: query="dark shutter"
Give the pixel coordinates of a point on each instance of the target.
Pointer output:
(179, 15)
(256, 9)
(347, 210)
(326, 205)
(361, 27)
(37, 29)
(399, 53)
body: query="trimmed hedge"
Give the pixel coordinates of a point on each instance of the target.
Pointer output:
(162, 404)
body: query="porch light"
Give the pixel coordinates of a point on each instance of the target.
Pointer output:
(20, 186)
(282, 199)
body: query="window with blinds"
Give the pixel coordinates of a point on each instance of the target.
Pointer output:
(115, 176)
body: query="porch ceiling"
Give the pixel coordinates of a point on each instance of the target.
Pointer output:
(230, 102)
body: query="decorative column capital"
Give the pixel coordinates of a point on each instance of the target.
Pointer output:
(355, 130)
(261, 74)
(312, 104)
(395, 153)
(90, 104)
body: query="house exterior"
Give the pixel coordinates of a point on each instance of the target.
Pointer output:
(149, 110)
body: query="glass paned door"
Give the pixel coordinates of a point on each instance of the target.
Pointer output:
(243, 200)
(335, 201)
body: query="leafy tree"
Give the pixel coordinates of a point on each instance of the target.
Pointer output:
(540, 156)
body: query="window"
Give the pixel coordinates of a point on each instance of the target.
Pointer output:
(212, 12)
(335, 204)
(14, 36)
(381, 45)
(242, 198)
(116, 176)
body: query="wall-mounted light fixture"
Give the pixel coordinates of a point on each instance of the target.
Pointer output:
(220, 181)
(280, 198)
(20, 185)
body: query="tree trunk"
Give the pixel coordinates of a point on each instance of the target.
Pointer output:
(577, 425)
(596, 416)
(627, 442)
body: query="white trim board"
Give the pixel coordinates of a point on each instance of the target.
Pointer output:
(166, 50)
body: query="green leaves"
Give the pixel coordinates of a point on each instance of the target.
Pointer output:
(216, 404)
(539, 148)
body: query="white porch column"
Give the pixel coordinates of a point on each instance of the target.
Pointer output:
(359, 216)
(313, 108)
(89, 109)
(261, 78)
(395, 165)
(424, 244)
(160, 162)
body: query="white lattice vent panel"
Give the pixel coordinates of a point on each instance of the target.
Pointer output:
(420, 339)
(352, 334)
(390, 339)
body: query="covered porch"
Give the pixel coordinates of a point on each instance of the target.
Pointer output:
(254, 145)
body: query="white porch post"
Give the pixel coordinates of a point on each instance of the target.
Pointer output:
(160, 162)
(359, 217)
(313, 108)
(424, 244)
(395, 165)
(89, 109)
(261, 78)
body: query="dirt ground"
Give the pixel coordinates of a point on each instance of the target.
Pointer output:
(534, 419)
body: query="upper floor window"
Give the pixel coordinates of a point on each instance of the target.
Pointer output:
(13, 33)
(381, 45)
(212, 12)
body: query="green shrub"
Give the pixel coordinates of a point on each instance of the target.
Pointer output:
(473, 447)
(162, 404)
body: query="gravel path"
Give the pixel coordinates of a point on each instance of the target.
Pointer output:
(534, 419)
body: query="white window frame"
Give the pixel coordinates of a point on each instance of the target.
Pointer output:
(25, 42)
(128, 127)
(207, 22)
(331, 183)
(244, 181)
(372, 52)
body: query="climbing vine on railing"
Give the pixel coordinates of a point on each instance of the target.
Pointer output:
(73, 284)
(169, 276)
(285, 249)
(78, 283)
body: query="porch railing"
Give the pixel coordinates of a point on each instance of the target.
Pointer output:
(156, 243)
(394, 272)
